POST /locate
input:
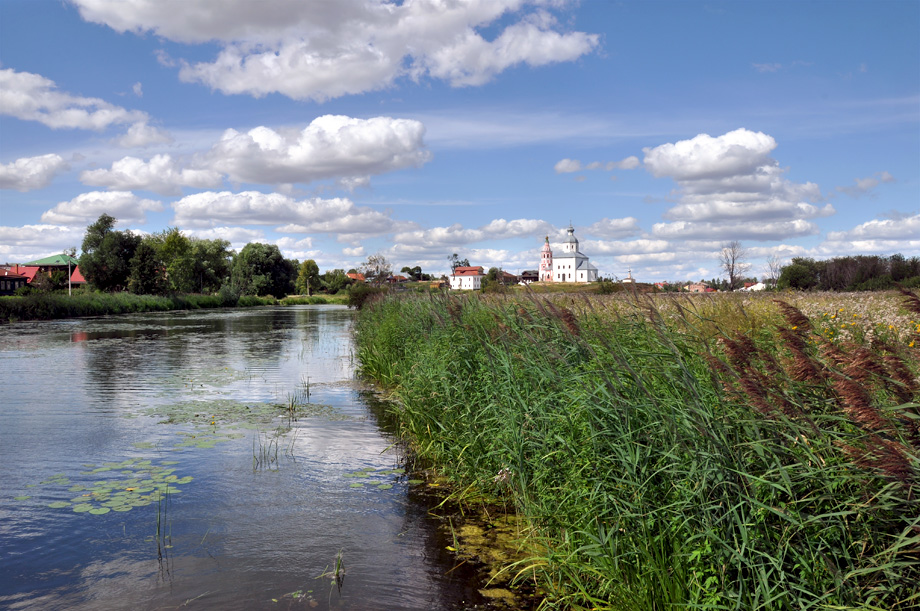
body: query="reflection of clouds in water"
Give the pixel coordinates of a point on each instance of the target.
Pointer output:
(241, 536)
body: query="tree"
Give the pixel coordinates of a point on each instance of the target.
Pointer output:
(259, 269)
(773, 267)
(455, 262)
(335, 281)
(211, 260)
(376, 269)
(733, 262)
(800, 274)
(307, 277)
(107, 254)
(146, 277)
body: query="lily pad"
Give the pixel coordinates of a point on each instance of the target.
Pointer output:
(384, 486)
(82, 507)
(98, 511)
(22, 498)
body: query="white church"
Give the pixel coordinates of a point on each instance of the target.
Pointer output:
(568, 266)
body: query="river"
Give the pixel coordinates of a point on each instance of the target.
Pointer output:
(208, 459)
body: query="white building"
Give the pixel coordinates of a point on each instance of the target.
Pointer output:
(467, 278)
(568, 266)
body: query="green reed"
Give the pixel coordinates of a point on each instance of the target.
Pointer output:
(668, 455)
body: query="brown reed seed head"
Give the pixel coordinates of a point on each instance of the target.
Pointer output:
(911, 301)
(832, 352)
(793, 316)
(737, 355)
(803, 368)
(857, 405)
(889, 457)
(863, 363)
(569, 319)
(901, 374)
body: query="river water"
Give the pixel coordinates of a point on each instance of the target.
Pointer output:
(212, 460)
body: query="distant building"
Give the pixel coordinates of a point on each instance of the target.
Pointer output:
(628, 279)
(530, 275)
(568, 266)
(467, 278)
(10, 281)
(356, 277)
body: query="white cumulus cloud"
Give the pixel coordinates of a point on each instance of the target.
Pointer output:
(161, 174)
(141, 135)
(32, 97)
(29, 242)
(614, 228)
(327, 49)
(336, 216)
(30, 173)
(331, 146)
(729, 187)
(87, 207)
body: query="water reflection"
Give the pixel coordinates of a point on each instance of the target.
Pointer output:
(235, 537)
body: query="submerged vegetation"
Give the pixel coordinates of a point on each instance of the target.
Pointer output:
(715, 452)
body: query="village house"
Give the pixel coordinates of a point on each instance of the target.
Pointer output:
(10, 281)
(467, 278)
(568, 266)
(529, 275)
(63, 263)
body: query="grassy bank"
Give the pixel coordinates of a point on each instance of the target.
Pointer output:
(47, 306)
(721, 452)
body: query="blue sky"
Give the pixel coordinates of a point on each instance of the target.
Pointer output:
(339, 129)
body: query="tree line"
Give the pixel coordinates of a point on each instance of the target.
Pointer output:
(170, 262)
(850, 273)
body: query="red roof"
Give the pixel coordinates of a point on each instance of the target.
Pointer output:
(76, 276)
(468, 271)
(358, 277)
(8, 273)
(28, 271)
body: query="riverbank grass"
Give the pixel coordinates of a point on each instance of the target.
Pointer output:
(711, 454)
(48, 306)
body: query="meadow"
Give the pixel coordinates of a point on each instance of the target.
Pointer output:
(727, 451)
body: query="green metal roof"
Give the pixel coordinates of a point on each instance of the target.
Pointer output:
(60, 259)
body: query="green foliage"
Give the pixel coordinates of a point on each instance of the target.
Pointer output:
(360, 293)
(851, 273)
(659, 468)
(307, 277)
(105, 262)
(259, 269)
(146, 276)
(335, 280)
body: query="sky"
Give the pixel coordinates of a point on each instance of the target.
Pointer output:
(415, 129)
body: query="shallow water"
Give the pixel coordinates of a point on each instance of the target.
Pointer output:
(267, 470)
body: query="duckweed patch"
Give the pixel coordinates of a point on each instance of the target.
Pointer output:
(373, 477)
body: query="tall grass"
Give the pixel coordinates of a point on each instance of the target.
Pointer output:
(46, 306)
(722, 457)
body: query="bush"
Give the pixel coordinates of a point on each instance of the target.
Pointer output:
(359, 294)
